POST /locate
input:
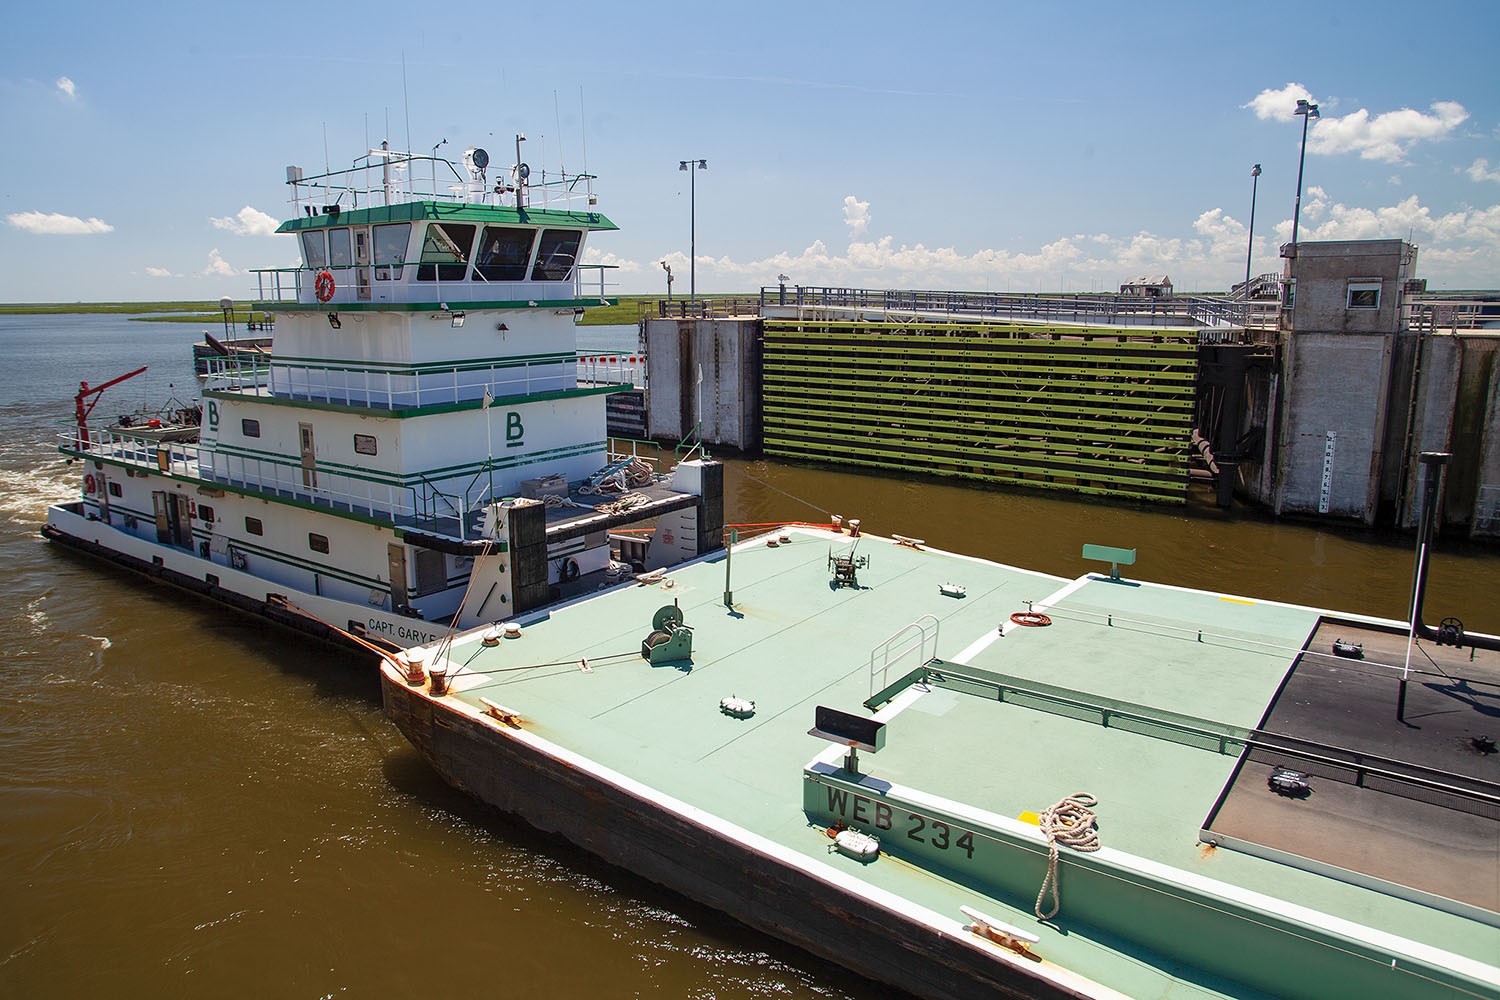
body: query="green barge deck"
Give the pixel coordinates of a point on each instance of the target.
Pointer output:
(1171, 706)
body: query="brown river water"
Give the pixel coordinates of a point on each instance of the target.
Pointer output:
(197, 804)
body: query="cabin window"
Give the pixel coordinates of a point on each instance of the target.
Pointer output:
(253, 526)
(364, 444)
(317, 542)
(339, 254)
(314, 251)
(445, 252)
(503, 253)
(115, 491)
(1364, 295)
(390, 250)
(250, 428)
(206, 512)
(556, 254)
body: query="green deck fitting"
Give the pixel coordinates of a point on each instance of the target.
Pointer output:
(1100, 410)
(1116, 557)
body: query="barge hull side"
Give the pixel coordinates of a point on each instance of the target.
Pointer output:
(648, 839)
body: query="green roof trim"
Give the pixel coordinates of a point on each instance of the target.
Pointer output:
(454, 305)
(419, 211)
(416, 411)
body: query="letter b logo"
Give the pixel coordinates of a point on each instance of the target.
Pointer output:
(513, 428)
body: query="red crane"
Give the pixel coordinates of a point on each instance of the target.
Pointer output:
(84, 392)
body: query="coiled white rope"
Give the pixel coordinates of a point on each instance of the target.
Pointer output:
(1071, 823)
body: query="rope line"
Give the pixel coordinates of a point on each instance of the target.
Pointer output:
(1070, 822)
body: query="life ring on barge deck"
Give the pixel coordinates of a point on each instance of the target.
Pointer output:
(323, 285)
(568, 571)
(90, 485)
(1032, 618)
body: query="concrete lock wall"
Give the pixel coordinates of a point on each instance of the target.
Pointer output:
(727, 353)
(1334, 384)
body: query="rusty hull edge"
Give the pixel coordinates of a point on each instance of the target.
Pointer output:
(633, 833)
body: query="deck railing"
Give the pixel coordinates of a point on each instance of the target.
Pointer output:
(1099, 309)
(353, 285)
(445, 506)
(390, 389)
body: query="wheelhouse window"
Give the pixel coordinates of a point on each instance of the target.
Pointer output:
(503, 253)
(250, 428)
(1364, 295)
(339, 254)
(364, 444)
(445, 252)
(556, 254)
(390, 250)
(314, 248)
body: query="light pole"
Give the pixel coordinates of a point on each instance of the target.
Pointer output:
(668, 268)
(1309, 112)
(692, 224)
(1250, 249)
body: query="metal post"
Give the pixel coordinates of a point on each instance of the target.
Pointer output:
(734, 536)
(1308, 112)
(690, 166)
(1250, 248)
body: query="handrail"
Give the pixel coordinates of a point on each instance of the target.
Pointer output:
(885, 648)
(355, 384)
(1096, 308)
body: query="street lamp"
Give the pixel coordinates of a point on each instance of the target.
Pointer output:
(1309, 112)
(692, 224)
(668, 268)
(1250, 249)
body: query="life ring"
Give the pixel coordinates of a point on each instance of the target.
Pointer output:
(323, 285)
(1032, 618)
(90, 486)
(568, 571)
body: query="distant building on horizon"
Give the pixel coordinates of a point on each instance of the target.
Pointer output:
(1148, 286)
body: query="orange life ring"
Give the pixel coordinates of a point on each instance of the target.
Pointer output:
(324, 286)
(1032, 618)
(89, 484)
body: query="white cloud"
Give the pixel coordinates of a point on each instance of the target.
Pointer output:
(856, 216)
(1458, 248)
(1388, 135)
(160, 272)
(248, 222)
(56, 224)
(68, 88)
(1480, 170)
(1278, 103)
(592, 255)
(218, 267)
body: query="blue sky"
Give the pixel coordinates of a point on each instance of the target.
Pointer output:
(958, 145)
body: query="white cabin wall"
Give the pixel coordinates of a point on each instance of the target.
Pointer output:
(449, 439)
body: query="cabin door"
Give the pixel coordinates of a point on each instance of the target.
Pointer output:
(362, 263)
(182, 521)
(103, 496)
(163, 511)
(397, 557)
(309, 461)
